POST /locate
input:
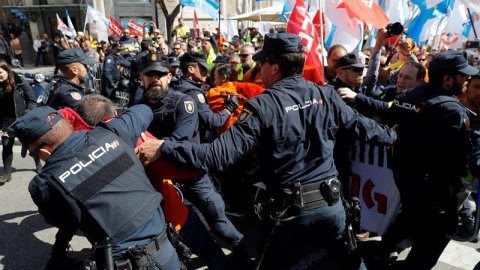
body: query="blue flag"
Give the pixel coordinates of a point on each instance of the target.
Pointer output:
(209, 7)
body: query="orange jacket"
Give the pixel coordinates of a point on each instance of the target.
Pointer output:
(244, 91)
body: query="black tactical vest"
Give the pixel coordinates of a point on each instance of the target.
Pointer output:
(106, 178)
(164, 117)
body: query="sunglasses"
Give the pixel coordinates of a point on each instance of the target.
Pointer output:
(244, 55)
(35, 151)
(225, 46)
(354, 69)
(422, 59)
(156, 73)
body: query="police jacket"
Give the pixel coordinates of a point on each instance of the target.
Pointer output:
(94, 182)
(112, 67)
(65, 93)
(174, 117)
(23, 100)
(136, 66)
(432, 133)
(293, 125)
(208, 119)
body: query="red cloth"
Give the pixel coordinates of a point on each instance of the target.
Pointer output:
(298, 19)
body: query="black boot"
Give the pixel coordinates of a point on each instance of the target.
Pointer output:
(6, 177)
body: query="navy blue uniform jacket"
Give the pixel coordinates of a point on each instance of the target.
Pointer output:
(293, 125)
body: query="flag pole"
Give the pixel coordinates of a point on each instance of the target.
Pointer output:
(471, 21)
(219, 17)
(320, 10)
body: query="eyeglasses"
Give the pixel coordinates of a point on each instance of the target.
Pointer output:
(354, 69)
(35, 151)
(156, 73)
(244, 55)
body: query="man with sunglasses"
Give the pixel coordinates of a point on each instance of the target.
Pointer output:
(292, 128)
(68, 90)
(246, 54)
(135, 87)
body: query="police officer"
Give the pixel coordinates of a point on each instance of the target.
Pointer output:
(176, 118)
(112, 71)
(69, 90)
(135, 87)
(194, 68)
(89, 177)
(430, 159)
(292, 125)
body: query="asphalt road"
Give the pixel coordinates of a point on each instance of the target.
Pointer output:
(26, 239)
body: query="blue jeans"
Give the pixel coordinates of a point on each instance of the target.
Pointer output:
(299, 242)
(200, 242)
(202, 194)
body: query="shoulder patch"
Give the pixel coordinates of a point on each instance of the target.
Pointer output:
(244, 115)
(467, 122)
(189, 107)
(76, 95)
(109, 60)
(201, 98)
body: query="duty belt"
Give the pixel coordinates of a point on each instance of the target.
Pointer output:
(139, 259)
(311, 195)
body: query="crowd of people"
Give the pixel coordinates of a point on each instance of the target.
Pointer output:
(207, 109)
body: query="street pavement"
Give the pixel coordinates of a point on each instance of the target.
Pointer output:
(26, 239)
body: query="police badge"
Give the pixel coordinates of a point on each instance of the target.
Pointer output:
(189, 108)
(76, 95)
(244, 115)
(201, 98)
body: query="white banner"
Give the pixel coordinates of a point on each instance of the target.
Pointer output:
(372, 182)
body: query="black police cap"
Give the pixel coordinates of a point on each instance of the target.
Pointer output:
(195, 57)
(154, 62)
(278, 44)
(32, 126)
(75, 55)
(452, 62)
(350, 60)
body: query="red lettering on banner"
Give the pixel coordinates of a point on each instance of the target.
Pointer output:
(367, 190)
(381, 202)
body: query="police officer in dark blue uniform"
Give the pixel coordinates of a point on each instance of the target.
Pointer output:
(112, 71)
(135, 87)
(430, 159)
(194, 68)
(94, 182)
(292, 125)
(176, 118)
(68, 90)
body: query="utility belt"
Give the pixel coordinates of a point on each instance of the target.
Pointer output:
(139, 256)
(292, 200)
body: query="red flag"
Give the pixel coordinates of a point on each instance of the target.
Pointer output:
(301, 24)
(195, 23)
(316, 23)
(367, 11)
(114, 27)
(136, 29)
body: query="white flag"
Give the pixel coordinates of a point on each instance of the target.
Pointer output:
(231, 29)
(97, 22)
(62, 27)
(70, 26)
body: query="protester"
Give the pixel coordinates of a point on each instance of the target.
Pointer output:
(288, 152)
(246, 54)
(334, 53)
(16, 99)
(181, 30)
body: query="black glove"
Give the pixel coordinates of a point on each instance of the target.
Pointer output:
(231, 103)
